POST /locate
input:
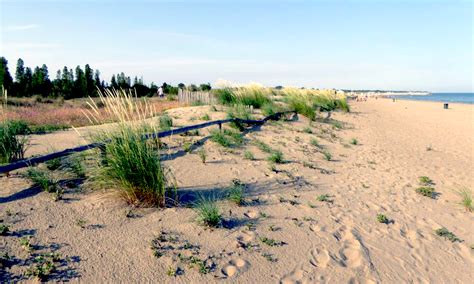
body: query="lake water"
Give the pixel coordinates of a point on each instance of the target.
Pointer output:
(466, 98)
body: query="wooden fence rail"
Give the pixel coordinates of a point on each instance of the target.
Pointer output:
(41, 159)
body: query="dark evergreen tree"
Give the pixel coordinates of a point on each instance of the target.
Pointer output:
(6, 79)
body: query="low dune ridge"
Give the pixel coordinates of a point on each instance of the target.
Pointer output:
(310, 219)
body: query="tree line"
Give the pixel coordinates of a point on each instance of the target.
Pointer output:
(77, 83)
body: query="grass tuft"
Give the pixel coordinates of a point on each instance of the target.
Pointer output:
(208, 213)
(236, 193)
(276, 157)
(249, 155)
(426, 191)
(443, 232)
(381, 218)
(42, 179)
(227, 138)
(466, 199)
(424, 180)
(327, 156)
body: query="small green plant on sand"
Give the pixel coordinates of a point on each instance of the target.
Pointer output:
(424, 180)
(269, 257)
(276, 157)
(81, 223)
(202, 155)
(443, 232)
(53, 164)
(314, 142)
(327, 156)
(43, 267)
(187, 146)
(227, 138)
(426, 191)
(208, 212)
(263, 146)
(324, 198)
(249, 155)
(354, 141)
(381, 218)
(41, 179)
(466, 199)
(307, 130)
(206, 117)
(271, 242)
(171, 271)
(236, 192)
(25, 244)
(4, 229)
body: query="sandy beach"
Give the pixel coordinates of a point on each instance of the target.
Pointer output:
(334, 241)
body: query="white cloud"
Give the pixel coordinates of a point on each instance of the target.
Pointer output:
(22, 27)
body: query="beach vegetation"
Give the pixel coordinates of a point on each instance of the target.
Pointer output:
(42, 179)
(249, 155)
(271, 242)
(227, 138)
(166, 122)
(264, 147)
(427, 191)
(202, 155)
(236, 193)
(354, 141)
(466, 199)
(4, 229)
(323, 198)
(53, 164)
(381, 218)
(327, 155)
(447, 235)
(424, 180)
(206, 117)
(308, 130)
(208, 213)
(276, 156)
(314, 142)
(131, 164)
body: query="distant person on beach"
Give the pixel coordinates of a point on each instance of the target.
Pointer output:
(160, 92)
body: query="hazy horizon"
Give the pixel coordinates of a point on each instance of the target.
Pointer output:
(394, 45)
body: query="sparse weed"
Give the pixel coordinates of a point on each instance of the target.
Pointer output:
(381, 218)
(354, 141)
(81, 223)
(202, 155)
(171, 271)
(443, 232)
(466, 199)
(25, 244)
(314, 142)
(41, 179)
(271, 242)
(249, 155)
(276, 157)
(4, 229)
(187, 146)
(308, 130)
(53, 164)
(227, 138)
(206, 117)
(327, 156)
(426, 181)
(263, 146)
(236, 193)
(426, 191)
(269, 257)
(208, 213)
(324, 198)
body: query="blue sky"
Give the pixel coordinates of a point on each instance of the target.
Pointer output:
(416, 45)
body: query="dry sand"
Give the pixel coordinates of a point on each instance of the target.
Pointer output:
(338, 241)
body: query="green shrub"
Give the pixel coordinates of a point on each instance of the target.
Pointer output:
(308, 130)
(314, 142)
(166, 122)
(208, 213)
(206, 117)
(269, 108)
(301, 105)
(4, 229)
(354, 141)
(53, 164)
(276, 157)
(323, 198)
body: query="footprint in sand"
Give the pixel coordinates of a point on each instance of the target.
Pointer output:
(319, 258)
(295, 277)
(235, 266)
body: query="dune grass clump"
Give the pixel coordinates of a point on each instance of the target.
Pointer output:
(249, 155)
(202, 155)
(236, 193)
(301, 104)
(252, 95)
(323, 198)
(227, 138)
(208, 213)
(354, 141)
(314, 142)
(131, 164)
(276, 157)
(206, 117)
(443, 232)
(264, 147)
(327, 156)
(4, 229)
(225, 96)
(42, 179)
(466, 199)
(13, 143)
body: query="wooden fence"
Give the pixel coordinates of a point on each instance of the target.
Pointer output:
(41, 159)
(188, 97)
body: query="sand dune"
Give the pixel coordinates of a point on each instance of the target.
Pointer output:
(329, 242)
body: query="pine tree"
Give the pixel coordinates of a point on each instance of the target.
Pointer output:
(6, 79)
